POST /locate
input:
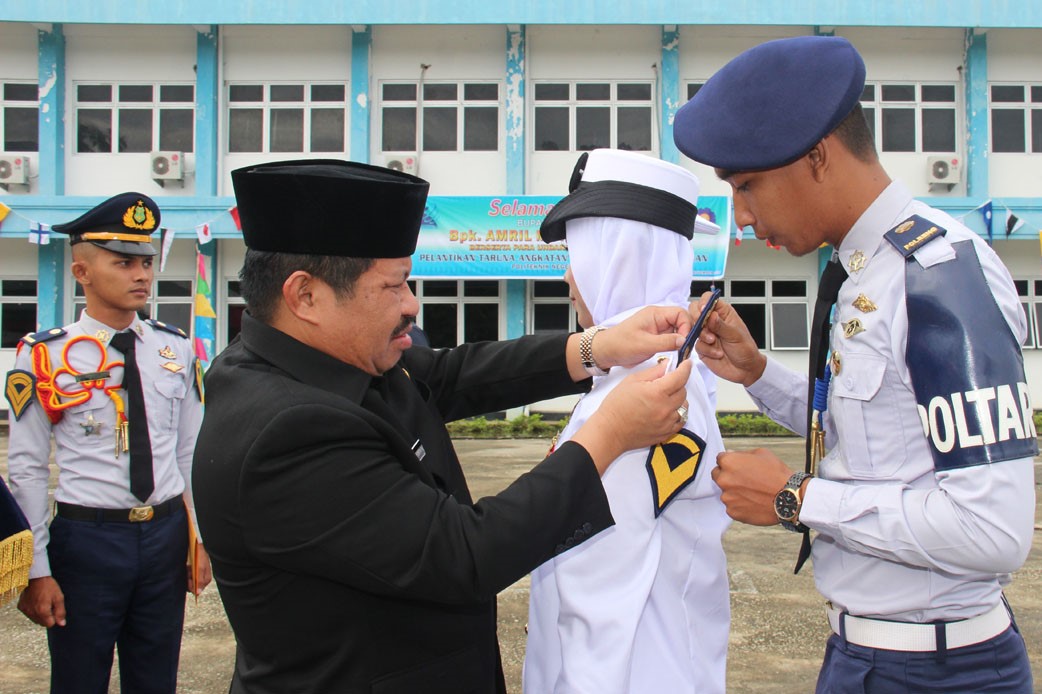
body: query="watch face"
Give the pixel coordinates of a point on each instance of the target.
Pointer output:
(786, 505)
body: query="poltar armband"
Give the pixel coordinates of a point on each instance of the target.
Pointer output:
(965, 363)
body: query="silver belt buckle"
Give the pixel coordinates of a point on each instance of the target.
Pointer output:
(140, 514)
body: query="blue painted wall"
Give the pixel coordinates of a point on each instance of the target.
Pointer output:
(940, 13)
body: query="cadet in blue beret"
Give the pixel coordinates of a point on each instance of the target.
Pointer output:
(348, 551)
(919, 477)
(117, 396)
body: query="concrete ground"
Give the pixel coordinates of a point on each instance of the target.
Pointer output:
(778, 628)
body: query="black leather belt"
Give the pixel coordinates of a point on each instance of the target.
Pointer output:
(138, 514)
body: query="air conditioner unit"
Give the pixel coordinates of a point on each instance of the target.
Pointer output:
(406, 162)
(946, 170)
(167, 166)
(14, 170)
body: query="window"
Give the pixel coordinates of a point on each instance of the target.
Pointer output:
(287, 117)
(1030, 292)
(778, 309)
(1016, 117)
(171, 302)
(235, 307)
(586, 115)
(17, 310)
(552, 311)
(692, 89)
(456, 311)
(127, 118)
(19, 126)
(911, 117)
(454, 117)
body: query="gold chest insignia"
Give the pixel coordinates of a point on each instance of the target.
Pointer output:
(857, 261)
(852, 327)
(836, 364)
(172, 366)
(167, 353)
(91, 426)
(864, 304)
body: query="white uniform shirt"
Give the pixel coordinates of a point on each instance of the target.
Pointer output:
(642, 606)
(896, 539)
(89, 471)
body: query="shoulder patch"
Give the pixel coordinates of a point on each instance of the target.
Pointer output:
(20, 391)
(43, 336)
(672, 466)
(912, 233)
(169, 328)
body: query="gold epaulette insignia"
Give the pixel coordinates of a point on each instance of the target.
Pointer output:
(672, 465)
(167, 327)
(20, 391)
(42, 336)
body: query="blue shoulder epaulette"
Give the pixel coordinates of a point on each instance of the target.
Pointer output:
(43, 336)
(910, 235)
(169, 328)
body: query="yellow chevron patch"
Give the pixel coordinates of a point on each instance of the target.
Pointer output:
(672, 466)
(20, 390)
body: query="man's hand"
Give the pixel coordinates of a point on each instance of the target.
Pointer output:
(204, 571)
(726, 346)
(749, 481)
(43, 602)
(639, 412)
(647, 332)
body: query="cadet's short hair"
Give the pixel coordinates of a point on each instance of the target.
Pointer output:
(263, 273)
(854, 133)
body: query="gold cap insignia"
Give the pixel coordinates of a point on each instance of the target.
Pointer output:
(138, 216)
(167, 353)
(857, 261)
(864, 304)
(852, 327)
(172, 366)
(836, 363)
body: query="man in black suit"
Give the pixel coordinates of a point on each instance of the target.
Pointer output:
(347, 549)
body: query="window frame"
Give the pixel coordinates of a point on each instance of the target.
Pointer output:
(768, 301)
(22, 300)
(26, 104)
(460, 300)
(533, 301)
(1028, 107)
(876, 105)
(420, 104)
(307, 105)
(114, 105)
(613, 103)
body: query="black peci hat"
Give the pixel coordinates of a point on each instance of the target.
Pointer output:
(329, 207)
(122, 224)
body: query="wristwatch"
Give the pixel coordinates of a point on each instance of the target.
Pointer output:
(787, 503)
(586, 351)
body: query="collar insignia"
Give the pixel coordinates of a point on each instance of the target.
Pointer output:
(102, 335)
(857, 261)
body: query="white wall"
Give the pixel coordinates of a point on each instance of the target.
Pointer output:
(1015, 55)
(99, 53)
(455, 54)
(291, 54)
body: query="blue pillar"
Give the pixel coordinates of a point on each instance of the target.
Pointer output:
(976, 115)
(515, 159)
(361, 45)
(669, 91)
(50, 273)
(207, 93)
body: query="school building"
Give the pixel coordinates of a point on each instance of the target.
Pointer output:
(492, 102)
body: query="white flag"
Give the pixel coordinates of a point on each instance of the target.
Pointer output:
(166, 242)
(40, 234)
(203, 232)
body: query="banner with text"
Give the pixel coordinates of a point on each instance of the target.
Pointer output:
(475, 236)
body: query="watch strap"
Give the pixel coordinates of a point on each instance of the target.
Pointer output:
(586, 351)
(793, 484)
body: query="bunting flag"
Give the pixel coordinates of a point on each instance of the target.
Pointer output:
(234, 212)
(166, 242)
(203, 233)
(985, 211)
(4, 210)
(738, 237)
(1013, 222)
(204, 319)
(40, 234)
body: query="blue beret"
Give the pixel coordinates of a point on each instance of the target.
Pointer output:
(122, 224)
(771, 104)
(329, 207)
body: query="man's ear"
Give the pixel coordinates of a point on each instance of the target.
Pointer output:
(80, 272)
(298, 295)
(819, 158)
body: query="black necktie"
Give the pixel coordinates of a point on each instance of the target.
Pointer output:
(828, 289)
(141, 482)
